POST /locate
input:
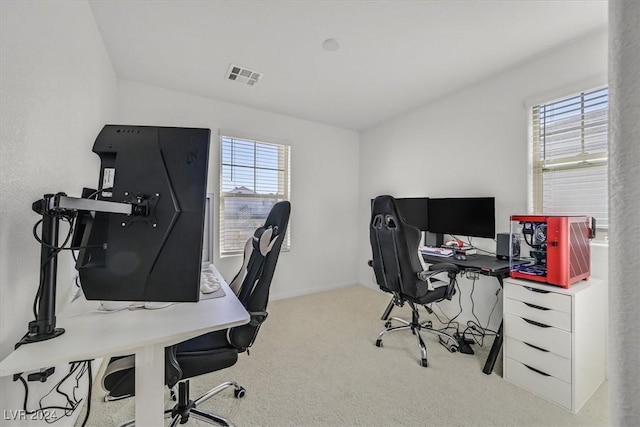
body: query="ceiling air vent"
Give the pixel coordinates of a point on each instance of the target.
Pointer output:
(243, 75)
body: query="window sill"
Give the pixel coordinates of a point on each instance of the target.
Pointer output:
(241, 254)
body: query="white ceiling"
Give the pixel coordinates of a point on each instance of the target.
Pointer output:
(394, 55)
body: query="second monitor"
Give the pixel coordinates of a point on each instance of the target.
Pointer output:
(414, 210)
(464, 216)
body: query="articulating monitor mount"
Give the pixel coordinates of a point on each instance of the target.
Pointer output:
(53, 208)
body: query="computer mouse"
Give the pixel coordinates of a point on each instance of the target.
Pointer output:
(460, 257)
(209, 283)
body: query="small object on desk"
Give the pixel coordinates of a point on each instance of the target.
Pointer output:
(460, 257)
(454, 243)
(430, 250)
(467, 251)
(109, 306)
(149, 305)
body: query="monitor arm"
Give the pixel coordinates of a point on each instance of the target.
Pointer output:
(61, 203)
(53, 207)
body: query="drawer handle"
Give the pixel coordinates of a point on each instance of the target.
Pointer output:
(540, 291)
(536, 347)
(534, 323)
(537, 370)
(537, 306)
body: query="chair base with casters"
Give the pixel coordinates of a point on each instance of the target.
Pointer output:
(416, 326)
(186, 408)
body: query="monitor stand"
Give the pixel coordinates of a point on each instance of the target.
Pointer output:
(53, 207)
(44, 327)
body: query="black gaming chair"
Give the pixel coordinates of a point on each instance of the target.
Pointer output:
(398, 270)
(215, 350)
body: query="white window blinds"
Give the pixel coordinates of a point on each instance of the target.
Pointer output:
(254, 176)
(570, 149)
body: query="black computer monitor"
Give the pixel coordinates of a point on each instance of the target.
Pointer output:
(414, 210)
(466, 216)
(156, 253)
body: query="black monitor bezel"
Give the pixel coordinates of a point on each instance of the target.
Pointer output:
(414, 211)
(442, 219)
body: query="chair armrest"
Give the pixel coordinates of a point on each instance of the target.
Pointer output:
(451, 268)
(243, 336)
(257, 317)
(452, 271)
(172, 370)
(425, 275)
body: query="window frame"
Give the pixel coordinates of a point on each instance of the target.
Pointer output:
(539, 166)
(285, 150)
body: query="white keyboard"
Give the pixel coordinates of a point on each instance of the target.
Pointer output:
(209, 282)
(429, 250)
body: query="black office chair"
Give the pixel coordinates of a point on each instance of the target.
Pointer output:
(398, 270)
(216, 350)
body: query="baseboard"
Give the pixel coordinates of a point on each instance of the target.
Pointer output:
(300, 292)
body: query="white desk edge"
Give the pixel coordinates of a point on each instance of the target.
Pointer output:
(145, 333)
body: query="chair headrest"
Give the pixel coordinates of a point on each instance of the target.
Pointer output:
(384, 205)
(264, 238)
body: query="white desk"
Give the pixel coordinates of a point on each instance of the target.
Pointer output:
(145, 333)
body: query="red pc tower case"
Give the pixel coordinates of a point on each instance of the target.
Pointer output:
(557, 248)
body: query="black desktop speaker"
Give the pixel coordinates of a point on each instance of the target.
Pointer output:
(502, 246)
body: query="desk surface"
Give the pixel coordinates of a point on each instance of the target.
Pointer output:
(487, 264)
(90, 334)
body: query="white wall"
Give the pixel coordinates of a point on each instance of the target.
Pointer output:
(58, 90)
(624, 177)
(474, 143)
(324, 181)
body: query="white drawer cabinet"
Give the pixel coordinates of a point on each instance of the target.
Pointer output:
(554, 339)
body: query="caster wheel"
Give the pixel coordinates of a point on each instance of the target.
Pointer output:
(379, 343)
(453, 349)
(239, 392)
(387, 324)
(424, 363)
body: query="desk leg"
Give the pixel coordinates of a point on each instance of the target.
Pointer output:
(150, 386)
(493, 354)
(497, 344)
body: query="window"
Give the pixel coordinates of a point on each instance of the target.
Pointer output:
(570, 149)
(254, 176)
(207, 241)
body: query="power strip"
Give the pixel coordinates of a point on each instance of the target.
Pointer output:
(464, 344)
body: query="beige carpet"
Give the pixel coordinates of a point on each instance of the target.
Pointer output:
(315, 364)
